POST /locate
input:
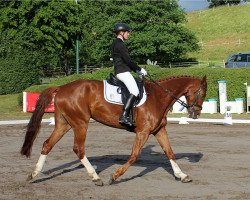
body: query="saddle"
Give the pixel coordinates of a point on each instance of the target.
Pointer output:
(122, 89)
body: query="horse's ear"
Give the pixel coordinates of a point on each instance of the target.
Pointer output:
(204, 79)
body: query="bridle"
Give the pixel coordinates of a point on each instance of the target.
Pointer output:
(194, 111)
(190, 107)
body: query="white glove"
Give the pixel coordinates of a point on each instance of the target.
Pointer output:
(143, 72)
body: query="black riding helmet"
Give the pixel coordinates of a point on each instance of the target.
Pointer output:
(121, 27)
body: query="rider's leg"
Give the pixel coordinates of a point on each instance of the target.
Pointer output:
(130, 83)
(124, 118)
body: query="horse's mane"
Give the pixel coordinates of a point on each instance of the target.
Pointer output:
(176, 77)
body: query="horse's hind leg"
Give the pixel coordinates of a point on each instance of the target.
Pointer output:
(163, 140)
(79, 149)
(140, 140)
(60, 129)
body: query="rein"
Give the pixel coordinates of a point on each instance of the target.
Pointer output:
(173, 95)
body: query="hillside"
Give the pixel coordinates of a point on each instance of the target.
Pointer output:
(221, 31)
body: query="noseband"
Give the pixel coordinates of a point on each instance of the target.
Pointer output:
(190, 107)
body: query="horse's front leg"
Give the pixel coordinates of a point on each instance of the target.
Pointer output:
(163, 140)
(140, 140)
(79, 149)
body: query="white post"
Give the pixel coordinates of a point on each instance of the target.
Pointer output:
(24, 101)
(222, 95)
(212, 105)
(239, 105)
(247, 97)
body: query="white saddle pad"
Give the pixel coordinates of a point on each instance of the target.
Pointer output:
(111, 94)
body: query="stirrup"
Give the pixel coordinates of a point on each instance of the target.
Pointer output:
(126, 121)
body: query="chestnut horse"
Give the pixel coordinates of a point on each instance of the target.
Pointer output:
(77, 102)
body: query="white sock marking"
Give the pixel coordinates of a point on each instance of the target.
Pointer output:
(39, 165)
(90, 169)
(177, 171)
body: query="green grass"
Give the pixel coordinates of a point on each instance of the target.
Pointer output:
(213, 116)
(9, 108)
(222, 31)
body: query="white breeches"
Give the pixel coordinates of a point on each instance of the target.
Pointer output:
(129, 81)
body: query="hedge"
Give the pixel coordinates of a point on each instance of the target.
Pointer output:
(235, 78)
(18, 66)
(16, 75)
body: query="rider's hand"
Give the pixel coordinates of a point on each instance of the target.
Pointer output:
(142, 73)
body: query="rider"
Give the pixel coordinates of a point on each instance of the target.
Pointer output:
(123, 66)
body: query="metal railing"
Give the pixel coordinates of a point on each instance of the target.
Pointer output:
(60, 71)
(51, 74)
(209, 63)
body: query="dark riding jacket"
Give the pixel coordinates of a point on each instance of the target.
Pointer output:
(121, 58)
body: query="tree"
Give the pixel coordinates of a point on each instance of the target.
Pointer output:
(45, 32)
(50, 26)
(158, 30)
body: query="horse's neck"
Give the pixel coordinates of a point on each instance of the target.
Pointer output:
(176, 86)
(174, 89)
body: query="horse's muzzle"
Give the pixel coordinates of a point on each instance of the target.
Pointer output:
(193, 115)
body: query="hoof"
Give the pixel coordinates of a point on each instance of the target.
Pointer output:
(98, 182)
(111, 180)
(29, 177)
(186, 180)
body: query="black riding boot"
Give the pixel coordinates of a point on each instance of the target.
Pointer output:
(124, 118)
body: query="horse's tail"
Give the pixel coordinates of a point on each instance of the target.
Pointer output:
(35, 121)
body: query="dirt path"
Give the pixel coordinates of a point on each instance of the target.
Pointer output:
(216, 157)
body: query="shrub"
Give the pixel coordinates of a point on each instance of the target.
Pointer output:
(18, 67)
(235, 78)
(16, 75)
